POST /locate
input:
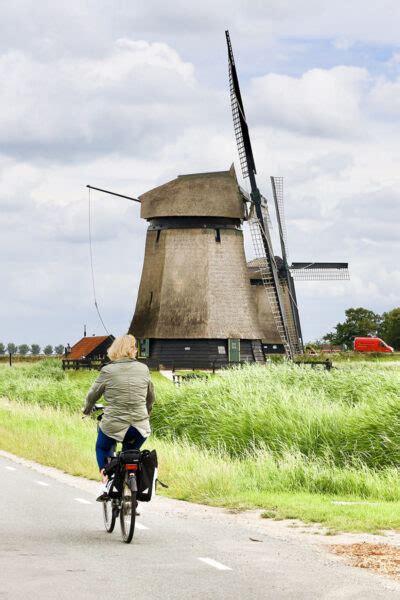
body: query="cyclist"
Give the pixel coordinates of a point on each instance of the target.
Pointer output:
(129, 393)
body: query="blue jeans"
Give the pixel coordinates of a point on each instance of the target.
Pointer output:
(105, 446)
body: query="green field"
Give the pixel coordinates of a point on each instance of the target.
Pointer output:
(285, 438)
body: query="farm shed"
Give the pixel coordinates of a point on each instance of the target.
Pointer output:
(88, 353)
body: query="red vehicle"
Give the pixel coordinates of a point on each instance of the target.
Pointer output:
(371, 344)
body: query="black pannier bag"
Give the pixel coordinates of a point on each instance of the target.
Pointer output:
(117, 466)
(129, 457)
(147, 476)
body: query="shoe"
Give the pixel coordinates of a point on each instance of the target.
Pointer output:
(105, 490)
(102, 498)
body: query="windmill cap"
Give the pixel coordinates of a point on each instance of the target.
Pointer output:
(214, 194)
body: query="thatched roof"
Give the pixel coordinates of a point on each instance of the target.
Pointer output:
(214, 194)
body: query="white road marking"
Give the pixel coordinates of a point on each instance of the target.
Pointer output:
(83, 501)
(140, 526)
(214, 563)
(42, 483)
(10, 468)
(343, 503)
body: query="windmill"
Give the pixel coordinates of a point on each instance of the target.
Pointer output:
(196, 305)
(276, 275)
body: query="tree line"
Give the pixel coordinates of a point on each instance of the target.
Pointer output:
(33, 349)
(362, 322)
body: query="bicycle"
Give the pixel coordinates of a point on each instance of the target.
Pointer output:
(122, 470)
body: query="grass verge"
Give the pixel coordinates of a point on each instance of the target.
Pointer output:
(288, 487)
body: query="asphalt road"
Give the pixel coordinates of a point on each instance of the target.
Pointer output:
(53, 546)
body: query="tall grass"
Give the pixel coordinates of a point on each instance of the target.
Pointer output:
(287, 486)
(347, 417)
(45, 383)
(285, 438)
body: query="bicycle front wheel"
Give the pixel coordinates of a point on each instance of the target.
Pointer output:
(128, 512)
(109, 515)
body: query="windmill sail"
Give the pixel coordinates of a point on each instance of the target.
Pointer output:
(320, 271)
(312, 271)
(239, 118)
(285, 276)
(258, 224)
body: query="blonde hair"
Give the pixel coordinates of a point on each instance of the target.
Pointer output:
(123, 346)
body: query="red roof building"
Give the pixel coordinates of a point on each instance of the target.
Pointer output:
(87, 351)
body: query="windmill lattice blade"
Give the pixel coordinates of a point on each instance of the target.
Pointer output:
(320, 274)
(292, 313)
(237, 128)
(277, 187)
(265, 269)
(239, 118)
(320, 271)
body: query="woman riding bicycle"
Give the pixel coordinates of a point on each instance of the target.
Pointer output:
(129, 392)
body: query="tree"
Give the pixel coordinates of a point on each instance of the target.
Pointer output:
(11, 348)
(2, 349)
(48, 350)
(35, 349)
(389, 330)
(59, 349)
(23, 349)
(359, 322)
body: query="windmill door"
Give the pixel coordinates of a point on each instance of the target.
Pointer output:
(234, 351)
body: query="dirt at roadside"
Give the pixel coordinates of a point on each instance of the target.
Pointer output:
(381, 558)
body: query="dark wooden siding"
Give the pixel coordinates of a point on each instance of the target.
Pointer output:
(273, 349)
(195, 353)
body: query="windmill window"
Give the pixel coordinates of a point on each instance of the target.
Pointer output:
(158, 235)
(151, 298)
(218, 235)
(143, 348)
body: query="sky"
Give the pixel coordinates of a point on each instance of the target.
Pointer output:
(127, 95)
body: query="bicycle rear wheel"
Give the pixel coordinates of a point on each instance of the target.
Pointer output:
(109, 515)
(128, 512)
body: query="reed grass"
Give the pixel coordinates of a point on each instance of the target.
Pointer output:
(291, 486)
(252, 436)
(349, 416)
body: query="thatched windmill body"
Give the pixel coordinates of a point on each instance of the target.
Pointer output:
(195, 305)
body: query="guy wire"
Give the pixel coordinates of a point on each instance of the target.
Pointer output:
(92, 269)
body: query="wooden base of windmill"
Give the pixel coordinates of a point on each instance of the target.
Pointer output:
(203, 353)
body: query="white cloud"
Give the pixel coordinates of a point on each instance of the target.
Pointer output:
(384, 100)
(129, 97)
(71, 107)
(319, 103)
